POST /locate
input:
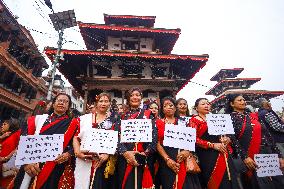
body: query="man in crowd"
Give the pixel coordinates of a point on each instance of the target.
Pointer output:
(272, 121)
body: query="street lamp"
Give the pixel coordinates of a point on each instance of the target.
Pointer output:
(61, 21)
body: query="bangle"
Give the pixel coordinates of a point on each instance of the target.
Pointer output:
(167, 159)
(76, 154)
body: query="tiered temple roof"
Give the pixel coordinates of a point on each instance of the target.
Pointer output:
(250, 95)
(95, 38)
(184, 67)
(226, 73)
(226, 85)
(131, 20)
(124, 52)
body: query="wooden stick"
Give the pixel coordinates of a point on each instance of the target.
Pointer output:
(34, 182)
(176, 185)
(226, 160)
(93, 178)
(227, 165)
(135, 170)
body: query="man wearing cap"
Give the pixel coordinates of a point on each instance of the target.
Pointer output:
(272, 122)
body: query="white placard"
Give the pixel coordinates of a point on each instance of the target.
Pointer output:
(268, 165)
(136, 130)
(39, 148)
(100, 141)
(219, 124)
(180, 137)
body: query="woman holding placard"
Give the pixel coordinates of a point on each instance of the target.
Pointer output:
(254, 139)
(135, 168)
(213, 152)
(57, 173)
(9, 140)
(94, 170)
(172, 173)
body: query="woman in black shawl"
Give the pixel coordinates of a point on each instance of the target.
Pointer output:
(254, 138)
(57, 173)
(133, 156)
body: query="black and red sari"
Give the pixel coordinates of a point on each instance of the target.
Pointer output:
(9, 145)
(254, 138)
(125, 173)
(185, 180)
(214, 173)
(53, 175)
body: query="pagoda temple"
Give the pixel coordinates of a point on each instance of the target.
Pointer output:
(21, 67)
(127, 51)
(229, 83)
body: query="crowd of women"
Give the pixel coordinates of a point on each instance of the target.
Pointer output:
(225, 162)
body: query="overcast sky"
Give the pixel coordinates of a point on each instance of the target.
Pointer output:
(235, 33)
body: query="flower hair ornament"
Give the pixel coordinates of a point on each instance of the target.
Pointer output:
(97, 98)
(41, 103)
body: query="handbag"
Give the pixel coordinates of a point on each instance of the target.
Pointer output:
(191, 165)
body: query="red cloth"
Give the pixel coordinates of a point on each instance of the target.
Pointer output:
(201, 127)
(160, 123)
(31, 125)
(255, 142)
(10, 143)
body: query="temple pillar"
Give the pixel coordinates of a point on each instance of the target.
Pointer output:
(123, 96)
(158, 98)
(85, 88)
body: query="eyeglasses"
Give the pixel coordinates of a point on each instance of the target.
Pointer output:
(62, 101)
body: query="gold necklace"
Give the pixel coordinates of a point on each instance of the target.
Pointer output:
(168, 121)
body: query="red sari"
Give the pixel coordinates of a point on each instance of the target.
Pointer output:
(9, 145)
(212, 162)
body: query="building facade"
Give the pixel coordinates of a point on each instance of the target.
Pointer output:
(76, 99)
(127, 51)
(21, 66)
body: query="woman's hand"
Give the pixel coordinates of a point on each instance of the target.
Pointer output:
(3, 159)
(173, 165)
(250, 163)
(86, 155)
(6, 134)
(182, 155)
(225, 140)
(219, 147)
(102, 158)
(32, 169)
(63, 158)
(130, 157)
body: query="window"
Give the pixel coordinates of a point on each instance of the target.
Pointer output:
(130, 45)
